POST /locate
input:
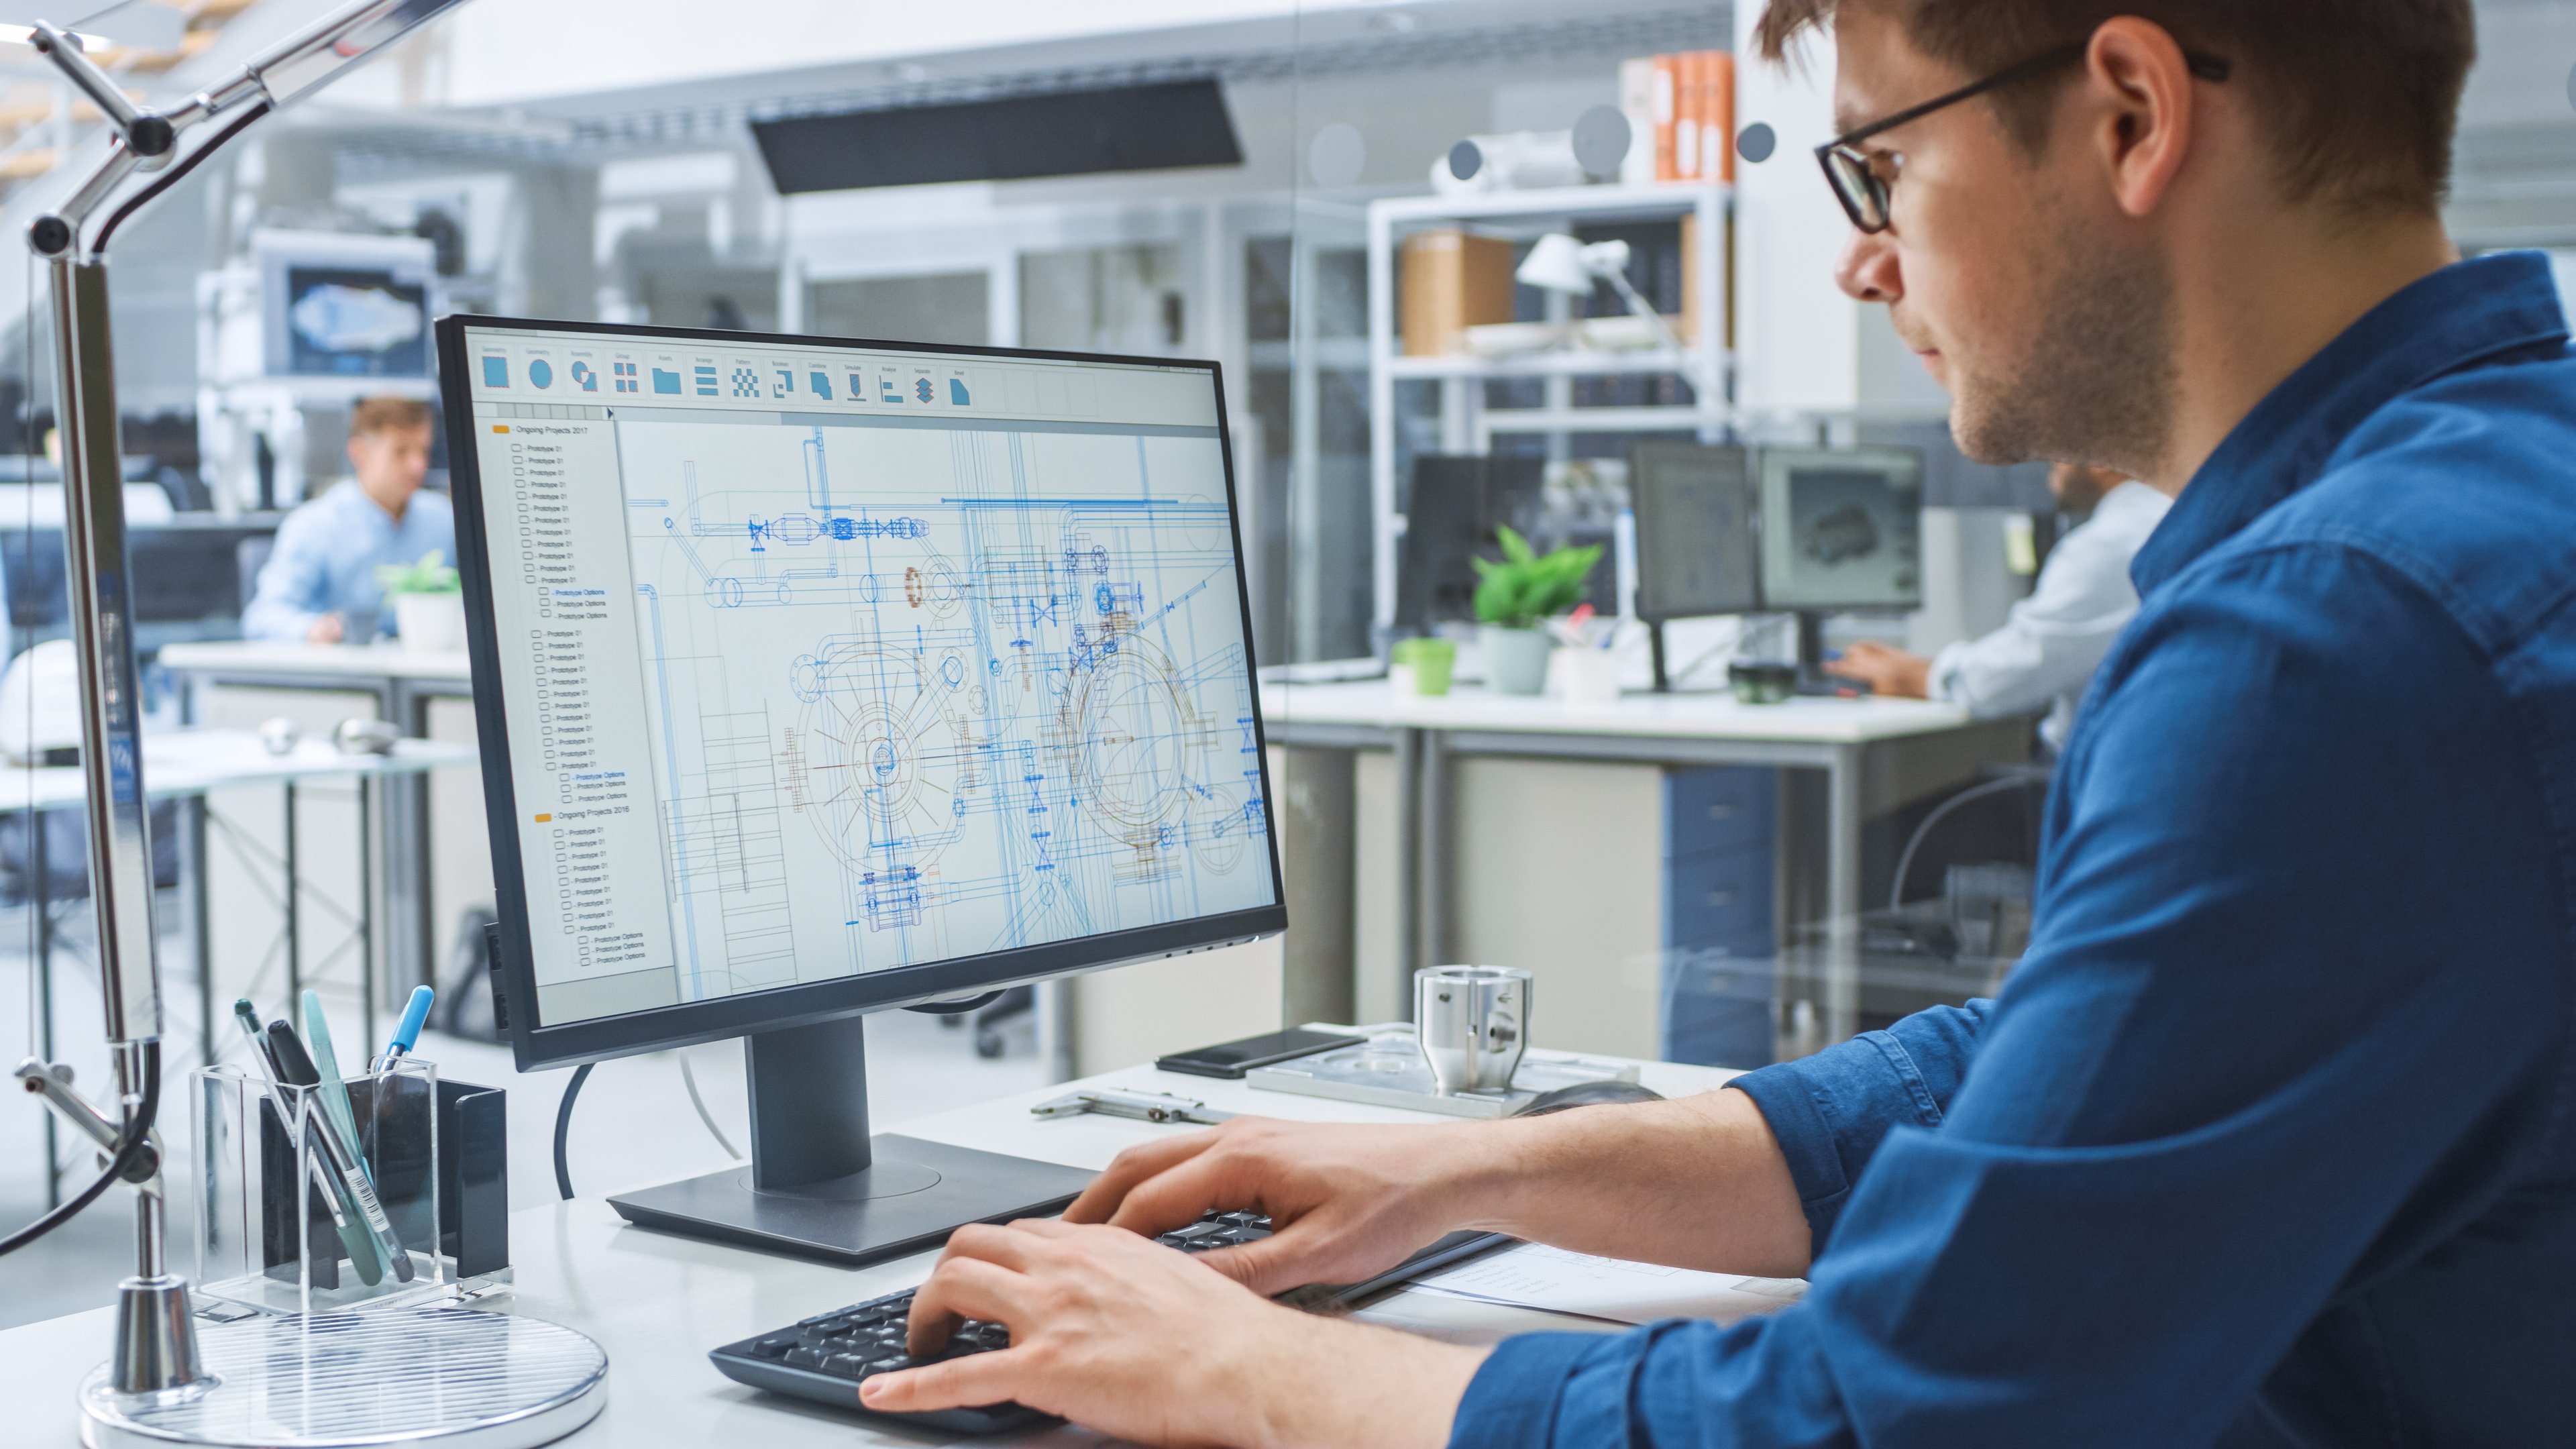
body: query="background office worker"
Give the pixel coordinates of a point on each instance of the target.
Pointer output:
(2267, 1141)
(2047, 650)
(320, 581)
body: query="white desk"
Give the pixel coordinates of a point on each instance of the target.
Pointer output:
(1832, 735)
(657, 1303)
(404, 681)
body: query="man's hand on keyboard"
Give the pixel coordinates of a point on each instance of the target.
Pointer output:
(1345, 1202)
(1124, 1335)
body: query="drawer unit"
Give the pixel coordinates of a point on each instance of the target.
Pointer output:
(1720, 924)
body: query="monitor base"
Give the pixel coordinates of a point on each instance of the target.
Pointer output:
(906, 1201)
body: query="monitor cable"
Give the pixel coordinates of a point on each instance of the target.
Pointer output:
(563, 1127)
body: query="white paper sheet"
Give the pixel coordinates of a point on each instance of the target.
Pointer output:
(1622, 1292)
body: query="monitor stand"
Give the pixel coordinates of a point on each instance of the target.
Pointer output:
(1813, 681)
(818, 1185)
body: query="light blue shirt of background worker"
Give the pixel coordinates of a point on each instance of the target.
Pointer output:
(319, 585)
(2044, 656)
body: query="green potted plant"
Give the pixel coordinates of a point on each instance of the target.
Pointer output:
(429, 603)
(1517, 597)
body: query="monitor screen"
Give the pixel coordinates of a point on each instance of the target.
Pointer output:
(1696, 554)
(818, 676)
(1842, 529)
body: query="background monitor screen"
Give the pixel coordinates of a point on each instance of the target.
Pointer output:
(1841, 529)
(1458, 505)
(1696, 549)
(342, 322)
(829, 677)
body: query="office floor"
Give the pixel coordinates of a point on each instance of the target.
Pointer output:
(633, 1125)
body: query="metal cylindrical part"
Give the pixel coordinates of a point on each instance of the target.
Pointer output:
(120, 847)
(1473, 1024)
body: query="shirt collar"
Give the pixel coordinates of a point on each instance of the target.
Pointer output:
(2457, 317)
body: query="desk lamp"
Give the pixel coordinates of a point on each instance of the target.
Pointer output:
(1559, 263)
(156, 1342)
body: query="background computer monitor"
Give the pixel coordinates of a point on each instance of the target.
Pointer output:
(818, 677)
(1697, 550)
(1842, 529)
(1452, 514)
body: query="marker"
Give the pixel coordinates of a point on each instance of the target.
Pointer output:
(298, 1070)
(360, 1245)
(326, 1063)
(407, 1031)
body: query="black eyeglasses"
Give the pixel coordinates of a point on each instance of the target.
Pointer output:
(1863, 190)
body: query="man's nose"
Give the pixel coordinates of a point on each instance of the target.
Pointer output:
(1867, 271)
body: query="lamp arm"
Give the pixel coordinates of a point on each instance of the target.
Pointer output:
(1618, 280)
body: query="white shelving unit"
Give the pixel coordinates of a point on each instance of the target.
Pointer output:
(1467, 425)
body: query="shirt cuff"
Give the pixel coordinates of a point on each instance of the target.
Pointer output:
(1512, 1401)
(1806, 1138)
(1941, 681)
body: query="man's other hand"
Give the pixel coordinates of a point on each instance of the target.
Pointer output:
(1123, 1335)
(1345, 1203)
(1890, 672)
(326, 630)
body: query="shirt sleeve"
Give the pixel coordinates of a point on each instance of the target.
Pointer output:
(293, 583)
(2052, 641)
(2295, 980)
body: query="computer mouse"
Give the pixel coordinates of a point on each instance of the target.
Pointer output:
(1588, 1094)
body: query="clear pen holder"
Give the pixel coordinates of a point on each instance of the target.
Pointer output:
(281, 1228)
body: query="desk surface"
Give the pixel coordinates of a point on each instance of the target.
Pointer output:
(356, 663)
(657, 1303)
(183, 763)
(1374, 704)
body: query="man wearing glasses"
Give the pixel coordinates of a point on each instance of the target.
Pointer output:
(2271, 1140)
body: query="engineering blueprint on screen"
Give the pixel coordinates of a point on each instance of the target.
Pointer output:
(924, 693)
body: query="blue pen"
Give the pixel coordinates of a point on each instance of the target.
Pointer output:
(407, 1032)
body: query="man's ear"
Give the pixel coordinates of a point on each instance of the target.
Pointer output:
(2139, 109)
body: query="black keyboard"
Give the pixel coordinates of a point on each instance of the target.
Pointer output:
(825, 1357)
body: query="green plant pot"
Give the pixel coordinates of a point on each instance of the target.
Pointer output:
(1515, 659)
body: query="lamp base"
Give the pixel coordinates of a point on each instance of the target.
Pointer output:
(456, 1378)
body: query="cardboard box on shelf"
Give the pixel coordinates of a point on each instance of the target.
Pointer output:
(1450, 280)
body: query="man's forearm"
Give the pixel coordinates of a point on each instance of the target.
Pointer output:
(1695, 1183)
(1341, 1385)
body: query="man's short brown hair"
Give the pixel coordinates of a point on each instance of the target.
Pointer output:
(2363, 95)
(375, 415)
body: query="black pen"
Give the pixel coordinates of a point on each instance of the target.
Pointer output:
(361, 1245)
(296, 1067)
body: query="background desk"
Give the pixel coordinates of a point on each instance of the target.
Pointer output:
(657, 1303)
(1857, 745)
(405, 685)
(184, 766)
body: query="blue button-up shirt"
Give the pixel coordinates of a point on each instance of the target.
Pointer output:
(327, 555)
(2271, 1138)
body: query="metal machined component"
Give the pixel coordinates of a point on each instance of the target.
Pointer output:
(1142, 1106)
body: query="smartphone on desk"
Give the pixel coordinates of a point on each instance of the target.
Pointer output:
(1234, 1058)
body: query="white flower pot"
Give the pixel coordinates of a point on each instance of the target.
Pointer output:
(430, 623)
(1515, 659)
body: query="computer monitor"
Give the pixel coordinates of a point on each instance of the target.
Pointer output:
(1458, 503)
(345, 306)
(1697, 551)
(1842, 529)
(819, 677)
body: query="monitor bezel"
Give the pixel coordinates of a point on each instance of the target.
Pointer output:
(1763, 459)
(1650, 610)
(536, 1044)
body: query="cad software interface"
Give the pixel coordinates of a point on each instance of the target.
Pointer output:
(819, 662)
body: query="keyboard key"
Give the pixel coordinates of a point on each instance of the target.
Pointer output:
(845, 1365)
(805, 1356)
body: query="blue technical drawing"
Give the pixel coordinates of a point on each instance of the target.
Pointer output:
(921, 694)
